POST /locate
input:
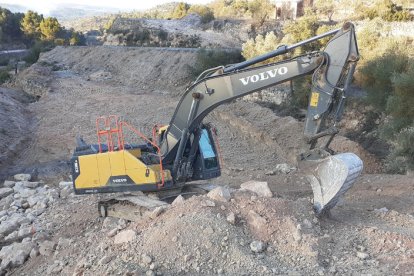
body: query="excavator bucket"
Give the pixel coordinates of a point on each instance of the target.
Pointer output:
(331, 178)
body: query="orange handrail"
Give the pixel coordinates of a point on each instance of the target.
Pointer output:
(142, 136)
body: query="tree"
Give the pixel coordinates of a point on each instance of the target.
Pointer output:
(49, 27)
(259, 46)
(180, 10)
(77, 39)
(30, 24)
(205, 12)
(325, 7)
(260, 10)
(9, 25)
(301, 29)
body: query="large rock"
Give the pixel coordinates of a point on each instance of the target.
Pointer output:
(178, 200)
(256, 221)
(260, 188)
(31, 185)
(22, 190)
(5, 192)
(34, 199)
(257, 246)
(9, 183)
(219, 194)
(5, 202)
(125, 236)
(46, 248)
(6, 227)
(65, 184)
(52, 195)
(22, 177)
(284, 168)
(25, 232)
(66, 192)
(63, 244)
(15, 254)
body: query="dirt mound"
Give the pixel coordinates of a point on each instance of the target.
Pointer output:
(14, 125)
(144, 69)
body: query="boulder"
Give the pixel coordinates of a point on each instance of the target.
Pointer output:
(66, 192)
(284, 168)
(178, 200)
(22, 191)
(15, 254)
(157, 211)
(46, 248)
(22, 177)
(256, 221)
(63, 244)
(8, 226)
(31, 185)
(110, 223)
(5, 192)
(25, 231)
(9, 183)
(258, 187)
(66, 184)
(52, 195)
(34, 252)
(220, 194)
(231, 218)
(257, 246)
(5, 202)
(35, 199)
(125, 236)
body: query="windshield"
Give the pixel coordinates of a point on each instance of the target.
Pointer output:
(205, 145)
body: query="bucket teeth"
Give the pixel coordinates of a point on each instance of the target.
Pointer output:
(331, 178)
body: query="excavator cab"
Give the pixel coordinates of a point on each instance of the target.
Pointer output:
(206, 164)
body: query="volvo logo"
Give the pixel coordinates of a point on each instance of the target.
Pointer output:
(264, 75)
(120, 180)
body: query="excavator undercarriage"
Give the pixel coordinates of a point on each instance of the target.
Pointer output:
(186, 150)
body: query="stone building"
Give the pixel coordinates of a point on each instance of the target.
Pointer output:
(291, 9)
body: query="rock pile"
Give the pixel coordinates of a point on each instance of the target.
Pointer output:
(22, 202)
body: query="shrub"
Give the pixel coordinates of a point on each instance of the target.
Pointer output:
(260, 45)
(389, 84)
(384, 9)
(402, 154)
(204, 12)
(4, 76)
(210, 58)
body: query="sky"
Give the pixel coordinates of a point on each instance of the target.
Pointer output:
(44, 6)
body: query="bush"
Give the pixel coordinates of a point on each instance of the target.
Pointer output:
(207, 59)
(4, 76)
(402, 154)
(384, 9)
(261, 45)
(37, 48)
(204, 12)
(389, 84)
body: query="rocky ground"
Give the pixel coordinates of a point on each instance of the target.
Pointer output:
(46, 229)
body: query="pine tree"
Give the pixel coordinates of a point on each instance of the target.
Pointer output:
(49, 27)
(30, 24)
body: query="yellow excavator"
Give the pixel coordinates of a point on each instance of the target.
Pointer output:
(185, 149)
